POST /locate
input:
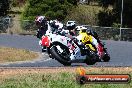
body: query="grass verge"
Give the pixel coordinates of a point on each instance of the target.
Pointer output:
(13, 54)
(57, 78)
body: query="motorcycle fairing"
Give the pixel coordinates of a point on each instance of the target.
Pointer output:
(61, 39)
(45, 41)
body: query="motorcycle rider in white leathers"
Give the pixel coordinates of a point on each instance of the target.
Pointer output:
(56, 25)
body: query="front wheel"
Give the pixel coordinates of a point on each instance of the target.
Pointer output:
(91, 59)
(63, 57)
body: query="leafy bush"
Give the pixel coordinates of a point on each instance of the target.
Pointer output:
(50, 14)
(106, 18)
(28, 25)
(4, 7)
(50, 8)
(84, 14)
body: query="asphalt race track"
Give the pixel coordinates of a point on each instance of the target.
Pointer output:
(120, 52)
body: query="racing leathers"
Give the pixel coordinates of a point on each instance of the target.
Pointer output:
(41, 23)
(85, 38)
(56, 25)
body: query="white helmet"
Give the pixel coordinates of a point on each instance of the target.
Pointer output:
(39, 18)
(81, 28)
(70, 23)
(56, 24)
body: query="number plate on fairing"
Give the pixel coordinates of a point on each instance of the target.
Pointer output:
(59, 48)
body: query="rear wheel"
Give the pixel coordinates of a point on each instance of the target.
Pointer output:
(106, 58)
(61, 56)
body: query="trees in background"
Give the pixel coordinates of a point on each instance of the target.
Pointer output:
(17, 3)
(4, 7)
(50, 8)
(108, 16)
(127, 12)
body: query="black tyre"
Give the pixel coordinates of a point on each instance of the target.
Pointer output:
(65, 60)
(50, 55)
(91, 59)
(106, 58)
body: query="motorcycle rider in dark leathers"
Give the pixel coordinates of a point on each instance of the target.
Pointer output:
(41, 23)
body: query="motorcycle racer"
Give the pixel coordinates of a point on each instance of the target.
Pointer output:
(56, 25)
(86, 38)
(71, 25)
(41, 23)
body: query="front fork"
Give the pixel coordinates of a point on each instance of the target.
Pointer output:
(48, 51)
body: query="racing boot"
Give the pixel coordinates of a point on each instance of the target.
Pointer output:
(44, 49)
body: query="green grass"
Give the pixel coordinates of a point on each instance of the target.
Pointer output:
(60, 80)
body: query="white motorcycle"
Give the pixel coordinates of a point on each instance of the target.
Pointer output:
(67, 50)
